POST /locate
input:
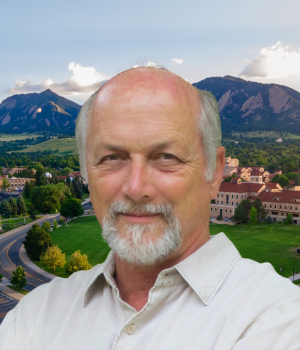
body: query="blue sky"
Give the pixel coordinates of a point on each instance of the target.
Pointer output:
(74, 45)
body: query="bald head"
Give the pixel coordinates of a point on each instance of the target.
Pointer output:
(141, 85)
(152, 88)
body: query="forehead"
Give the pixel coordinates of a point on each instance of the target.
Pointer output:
(140, 103)
(148, 88)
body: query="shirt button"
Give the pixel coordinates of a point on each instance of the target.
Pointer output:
(131, 329)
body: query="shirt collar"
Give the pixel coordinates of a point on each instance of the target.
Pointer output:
(205, 270)
(98, 271)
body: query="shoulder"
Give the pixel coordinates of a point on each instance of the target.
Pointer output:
(60, 292)
(263, 288)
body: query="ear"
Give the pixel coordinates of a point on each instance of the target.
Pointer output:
(218, 176)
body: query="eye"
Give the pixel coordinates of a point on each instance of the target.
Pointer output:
(167, 156)
(111, 158)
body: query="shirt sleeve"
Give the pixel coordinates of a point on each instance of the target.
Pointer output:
(278, 333)
(8, 337)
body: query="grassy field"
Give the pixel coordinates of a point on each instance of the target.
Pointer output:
(13, 137)
(267, 134)
(62, 146)
(273, 243)
(22, 291)
(82, 234)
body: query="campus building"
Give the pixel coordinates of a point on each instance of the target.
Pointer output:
(281, 203)
(232, 193)
(15, 183)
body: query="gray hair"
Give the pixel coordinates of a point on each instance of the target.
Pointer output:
(208, 123)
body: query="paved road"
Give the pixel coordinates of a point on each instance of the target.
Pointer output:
(6, 304)
(4, 196)
(9, 253)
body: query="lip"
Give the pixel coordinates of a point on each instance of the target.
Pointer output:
(139, 217)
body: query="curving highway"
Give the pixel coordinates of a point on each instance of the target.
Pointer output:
(10, 244)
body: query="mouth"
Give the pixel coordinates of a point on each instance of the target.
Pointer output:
(139, 217)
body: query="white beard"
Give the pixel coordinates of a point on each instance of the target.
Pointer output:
(134, 247)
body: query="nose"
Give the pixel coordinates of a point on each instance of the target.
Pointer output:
(139, 184)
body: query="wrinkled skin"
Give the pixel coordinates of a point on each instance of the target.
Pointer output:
(143, 146)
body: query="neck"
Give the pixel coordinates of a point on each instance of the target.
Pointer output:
(135, 281)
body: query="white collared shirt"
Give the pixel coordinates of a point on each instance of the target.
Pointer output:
(214, 299)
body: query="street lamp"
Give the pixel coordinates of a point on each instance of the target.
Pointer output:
(17, 262)
(294, 273)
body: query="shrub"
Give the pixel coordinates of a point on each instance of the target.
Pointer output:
(77, 262)
(18, 279)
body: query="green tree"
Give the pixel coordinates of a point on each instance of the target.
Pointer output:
(53, 258)
(1, 277)
(22, 209)
(289, 219)
(5, 208)
(242, 210)
(37, 241)
(54, 225)
(68, 181)
(281, 179)
(77, 262)
(253, 216)
(72, 190)
(269, 220)
(40, 176)
(49, 198)
(13, 205)
(29, 185)
(71, 208)
(261, 210)
(47, 226)
(18, 279)
(77, 190)
(297, 180)
(5, 184)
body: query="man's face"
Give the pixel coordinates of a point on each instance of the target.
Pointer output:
(143, 147)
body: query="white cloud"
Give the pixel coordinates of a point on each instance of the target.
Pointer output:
(146, 64)
(26, 86)
(274, 62)
(178, 61)
(84, 80)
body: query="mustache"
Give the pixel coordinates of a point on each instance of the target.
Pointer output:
(124, 207)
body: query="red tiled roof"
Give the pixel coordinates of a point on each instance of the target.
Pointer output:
(283, 196)
(272, 175)
(256, 172)
(274, 185)
(240, 188)
(76, 173)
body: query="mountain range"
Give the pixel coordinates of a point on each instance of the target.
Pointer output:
(243, 106)
(247, 106)
(38, 112)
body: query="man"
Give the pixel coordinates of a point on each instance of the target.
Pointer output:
(150, 150)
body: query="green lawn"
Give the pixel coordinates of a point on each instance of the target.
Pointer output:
(8, 225)
(267, 134)
(82, 234)
(13, 137)
(61, 146)
(22, 291)
(273, 243)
